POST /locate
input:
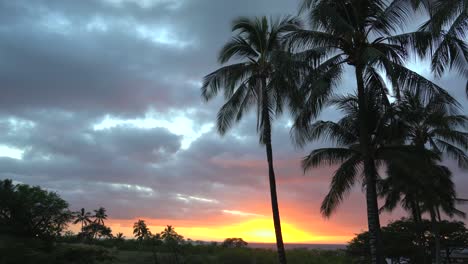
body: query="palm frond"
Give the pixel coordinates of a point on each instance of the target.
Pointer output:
(231, 110)
(406, 79)
(392, 18)
(326, 156)
(421, 42)
(309, 39)
(238, 47)
(453, 152)
(452, 52)
(226, 78)
(342, 181)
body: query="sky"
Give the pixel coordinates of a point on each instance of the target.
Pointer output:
(100, 102)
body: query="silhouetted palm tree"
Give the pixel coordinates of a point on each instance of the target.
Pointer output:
(82, 217)
(259, 80)
(362, 34)
(119, 236)
(449, 23)
(169, 234)
(100, 215)
(348, 153)
(433, 126)
(140, 230)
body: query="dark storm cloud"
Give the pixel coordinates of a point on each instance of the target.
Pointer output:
(102, 56)
(67, 65)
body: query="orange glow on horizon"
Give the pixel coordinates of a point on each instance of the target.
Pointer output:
(255, 230)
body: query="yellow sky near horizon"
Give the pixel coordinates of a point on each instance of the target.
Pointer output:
(253, 230)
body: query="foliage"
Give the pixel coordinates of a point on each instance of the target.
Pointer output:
(234, 243)
(82, 217)
(170, 236)
(140, 230)
(403, 241)
(100, 215)
(31, 211)
(16, 250)
(96, 230)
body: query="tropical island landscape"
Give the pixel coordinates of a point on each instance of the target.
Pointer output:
(243, 132)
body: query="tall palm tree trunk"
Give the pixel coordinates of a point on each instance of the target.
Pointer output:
(271, 176)
(370, 172)
(435, 230)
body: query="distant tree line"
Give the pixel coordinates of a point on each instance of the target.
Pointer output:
(30, 213)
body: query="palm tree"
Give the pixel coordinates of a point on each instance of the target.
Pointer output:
(435, 124)
(421, 189)
(140, 230)
(82, 217)
(100, 215)
(349, 153)
(119, 236)
(260, 79)
(169, 234)
(430, 188)
(362, 34)
(448, 21)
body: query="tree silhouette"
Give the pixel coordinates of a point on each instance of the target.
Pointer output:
(260, 79)
(100, 215)
(448, 23)
(348, 153)
(96, 230)
(234, 243)
(170, 235)
(82, 217)
(140, 230)
(31, 211)
(362, 34)
(433, 126)
(119, 236)
(172, 240)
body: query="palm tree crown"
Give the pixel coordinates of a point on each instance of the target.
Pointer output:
(100, 215)
(258, 46)
(82, 217)
(348, 153)
(140, 230)
(436, 125)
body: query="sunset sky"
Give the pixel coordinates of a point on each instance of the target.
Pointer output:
(100, 102)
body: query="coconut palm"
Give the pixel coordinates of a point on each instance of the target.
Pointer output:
(82, 217)
(97, 230)
(448, 21)
(119, 236)
(349, 154)
(363, 34)
(259, 79)
(422, 189)
(439, 128)
(100, 215)
(435, 124)
(140, 230)
(170, 235)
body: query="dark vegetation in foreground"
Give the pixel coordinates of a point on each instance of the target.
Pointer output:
(33, 229)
